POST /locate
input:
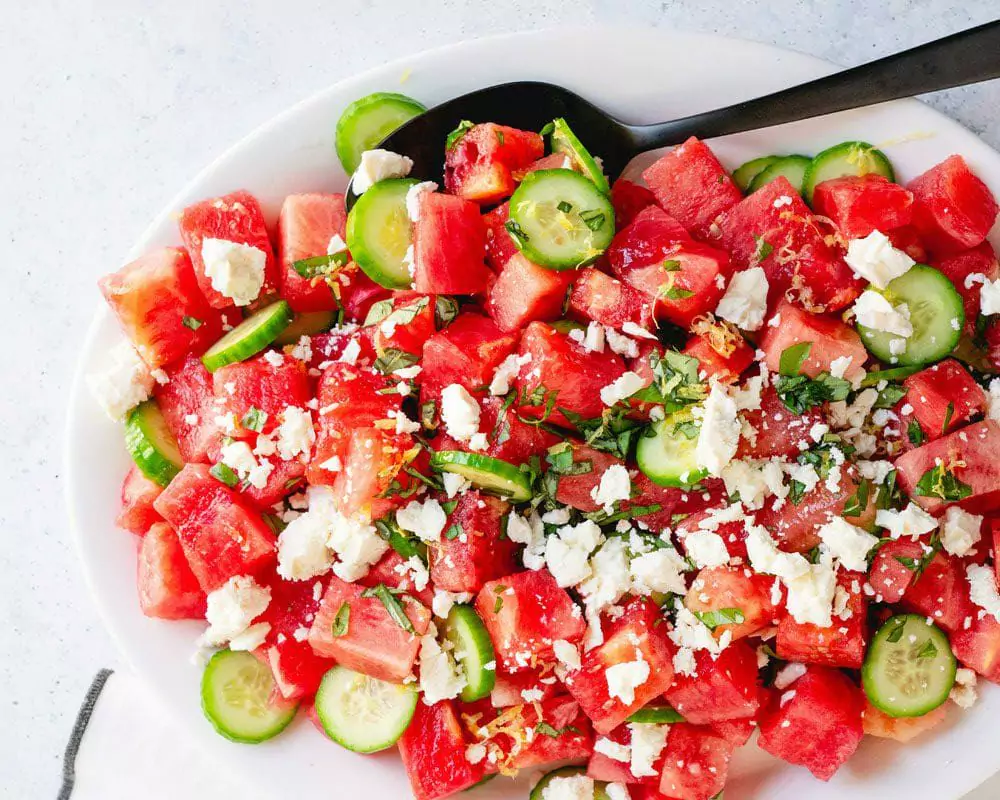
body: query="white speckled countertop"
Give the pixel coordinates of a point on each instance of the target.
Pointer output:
(111, 107)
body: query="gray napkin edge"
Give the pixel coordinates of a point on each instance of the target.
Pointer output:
(79, 728)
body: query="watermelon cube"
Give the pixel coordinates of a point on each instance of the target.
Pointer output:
(467, 352)
(829, 336)
(843, 643)
(721, 689)
(944, 397)
(187, 402)
(500, 247)
(474, 549)
(479, 165)
(363, 295)
(941, 593)
(374, 643)
(509, 687)
(575, 490)
(296, 667)
(978, 647)
(859, 205)
(372, 464)
(168, 588)
(306, 225)
(697, 763)
(900, 729)
(734, 534)
(736, 587)
(285, 478)
(778, 430)
(222, 535)
(235, 217)
(722, 357)
(953, 209)
(509, 438)
(449, 246)
(574, 741)
(262, 384)
(524, 614)
(893, 569)
(390, 571)
(637, 636)
(980, 260)
(692, 186)
(433, 752)
(160, 308)
(601, 298)
(524, 292)
(817, 724)
(908, 240)
(138, 494)
(629, 199)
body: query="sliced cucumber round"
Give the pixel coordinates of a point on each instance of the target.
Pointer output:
(367, 121)
(239, 698)
(473, 651)
(151, 444)
(791, 167)
(559, 219)
(936, 312)
(666, 451)
(379, 233)
(744, 174)
(248, 338)
(909, 669)
(538, 792)
(362, 713)
(564, 141)
(306, 324)
(484, 472)
(656, 714)
(845, 160)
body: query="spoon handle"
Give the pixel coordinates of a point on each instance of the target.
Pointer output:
(967, 57)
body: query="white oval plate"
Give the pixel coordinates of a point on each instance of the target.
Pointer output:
(639, 75)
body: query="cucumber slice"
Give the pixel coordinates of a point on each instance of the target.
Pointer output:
(362, 713)
(744, 174)
(936, 311)
(909, 669)
(489, 474)
(666, 455)
(600, 787)
(563, 140)
(151, 444)
(239, 698)
(791, 167)
(379, 233)
(473, 650)
(891, 375)
(307, 324)
(844, 160)
(367, 121)
(656, 714)
(560, 219)
(249, 337)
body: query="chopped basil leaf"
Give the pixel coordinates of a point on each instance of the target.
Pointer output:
(192, 322)
(948, 414)
(670, 265)
(792, 358)
(890, 395)
(392, 359)
(454, 531)
(378, 312)
(915, 433)
(224, 473)
(722, 616)
(544, 729)
(896, 633)
(516, 233)
(677, 293)
(941, 482)
(761, 251)
(456, 135)
(445, 310)
(689, 429)
(254, 419)
(342, 620)
(928, 650)
(499, 137)
(565, 207)
(320, 266)
(392, 605)
(796, 491)
(858, 502)
(800, 393)
(593, 219)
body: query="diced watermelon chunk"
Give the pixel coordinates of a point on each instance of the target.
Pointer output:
(222, 535)
(574, 742)
(373, 463)
(187, 402)
(778, 430)
(285, 478)
(390, 571)
(329, 346)
(524, 614)
(908, 240)
(970, 455)
(138, 494)
(449, 246)
(160, 308)
(508, 438)
(830, 337)
(509, 687)
(890, 576)
(736, 731)
(697, 763)
(637, 633)
(433, 751)
(601, 298)
(953, 209)
(168, 588)
(692, 186)
(944, 397)
(734, 534)
(722, 358)
(235, 217)
(306, 225)
(978, 647)
(774, 229)
(374, 643)
(941, 593)
(818, 725)
(859, 205)
(629, 199)
(259, 383)
(901, 729)
(601, 767)
(474, 549)
(980, 260)
(478, 167)
(467, 352)
(500, 247)
(721, 689)
(751, 592)
(525, 292)
(576, 490)
(842, 644)
(551, 161)
(560, 365)
(411, 332)
(363, 295)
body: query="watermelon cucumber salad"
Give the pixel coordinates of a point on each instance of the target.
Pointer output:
(527, 470)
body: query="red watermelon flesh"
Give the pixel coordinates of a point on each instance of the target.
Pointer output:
(168, 588)
(467, 352)
(980, 260)
(449, 246)
(941, 593)
(187, 402)
(479, 165)
(258, 383)
(830, 339)
(860, 205)
(696, 765)
(500, 247)
(138, 494)
(842, 644)
(433, 751)
(721, 689)
(599, 297)
(306, 225)
(473, 550)
(944, 397)
(724, 360)
(629, 199)
(524, 292)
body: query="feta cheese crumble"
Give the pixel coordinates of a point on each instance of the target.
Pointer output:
(426, 519)
(124, 384)
(960, 531)
(874, 311)
(719, 435)
(983, 589)
(379, 165)
(624, 678)
(745, 301)
(572, 787)
(876, 260)
(912, 521)
(459, 412)
(621, 388)
(296, 434)
(302, 549)
(413, 196)
(507, 372)
(567, 552)
(706, 549)
(647, 743)
(989, 297)
(235, 270)
(847, 543)
(232, 607)
(440, 679)
(615, 486)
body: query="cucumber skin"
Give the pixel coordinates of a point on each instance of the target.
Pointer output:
(780, 167)
(744, 174)
(448, 460)
(208, 703)
(336, 736)
(562, 134)
(345, 134)
(644, 455)
(463, 616)
(240, 350)
(143, 450)
(360, 252)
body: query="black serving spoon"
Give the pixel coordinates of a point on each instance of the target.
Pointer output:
(967, 57)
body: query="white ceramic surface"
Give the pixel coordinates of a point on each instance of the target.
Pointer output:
(650, 75)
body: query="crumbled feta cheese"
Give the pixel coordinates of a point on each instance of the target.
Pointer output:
(632, 329)
(788, 674)
(912, 521)
(232, 607)
(414, 570)
(295, 433)
(272, 357)
(875, 471)
(567, 552)
(621, 388)
(989, 297)
(235, 270)
(454, 484)
(302, 550)
(615, 486)
(624, 678)
(719, 435)
(647, 743)
(566, 654)
(874, 311)
(691, 633)
(443, 601)
(332, 464)
(706, 549)
(963, 693)
(897, 347)
(379, 165)
(506, 372)
(620, 344)
(426, 519)
(413, 198)
(350, 353)
(440, 679)
(593, 338)
(993, 400)
(533, 556)
(617, 791)
(661, 570)
(847, 543)
(354, 539)
(459, 412)
(475, 753)
(336, 245)
(876, 260)
(810, 596)
(610, 578)
(983, 589)
(571, 787)
(124, 384)
(745, 301)
(840, 365)
(960, 531)
(240, 458)
(613, 750)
